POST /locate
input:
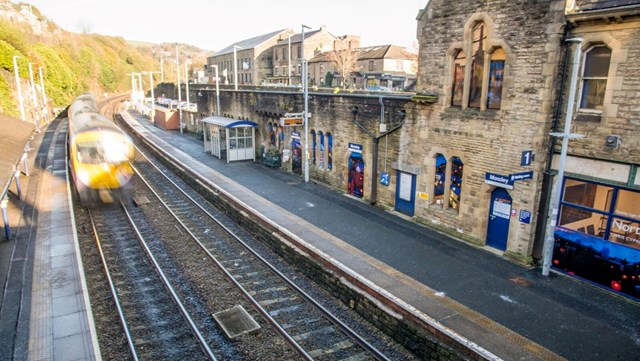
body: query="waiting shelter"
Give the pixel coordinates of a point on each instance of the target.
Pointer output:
(229, 138)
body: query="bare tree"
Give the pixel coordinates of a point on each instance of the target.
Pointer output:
(345, 62)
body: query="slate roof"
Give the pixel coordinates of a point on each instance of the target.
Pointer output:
(15, 136)
(592, 5)
(374, 52)
(250, 43)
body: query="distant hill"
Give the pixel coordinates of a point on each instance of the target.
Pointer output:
(74, 63)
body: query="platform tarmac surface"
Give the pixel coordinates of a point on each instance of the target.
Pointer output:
(553, 317)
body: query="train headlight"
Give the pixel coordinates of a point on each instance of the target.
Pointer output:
(116, 150)
(84, 177)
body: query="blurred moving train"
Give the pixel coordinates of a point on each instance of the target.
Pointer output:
(100, 153)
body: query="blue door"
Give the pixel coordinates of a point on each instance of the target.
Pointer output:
(499, 216)
(405, 193)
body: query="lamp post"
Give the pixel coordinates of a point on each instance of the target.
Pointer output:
(186, 79)
(235, 67)
(179, 95)
(305, 116)
(289, 62)
(555, 200)
(153, 98)
(44, 96)
(36, 118)
(20, 100)
(217, 90)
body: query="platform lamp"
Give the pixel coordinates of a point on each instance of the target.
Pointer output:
(215, 66)
(153, 98)
(36, 117)
(305, 116)
(20, 100)
(235, 67)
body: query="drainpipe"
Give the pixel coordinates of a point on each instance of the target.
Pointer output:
(376, 143)
(555, 200)
(545, 199)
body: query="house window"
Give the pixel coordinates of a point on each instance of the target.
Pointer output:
(372, 65)
(276, 71)
(477, 64)
(399, 65)
(458, 79)
(496, 74)
(594, 77)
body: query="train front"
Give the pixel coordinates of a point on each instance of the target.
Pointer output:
(101, 164)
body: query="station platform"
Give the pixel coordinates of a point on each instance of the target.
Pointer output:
(44, 307)
(500, 309)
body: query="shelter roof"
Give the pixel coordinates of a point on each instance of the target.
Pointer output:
(229, 122)
(15, 137)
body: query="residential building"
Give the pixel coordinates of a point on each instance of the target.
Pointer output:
(387, 66)
(253, 59)
(287, 55)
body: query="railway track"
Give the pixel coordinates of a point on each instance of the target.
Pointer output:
(220, 273)
(155, 321)
(309, 327)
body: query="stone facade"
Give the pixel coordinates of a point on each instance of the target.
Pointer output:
(404, 136)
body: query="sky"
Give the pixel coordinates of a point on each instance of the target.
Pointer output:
(215, 24)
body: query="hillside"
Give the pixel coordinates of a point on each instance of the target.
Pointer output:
(71, 63)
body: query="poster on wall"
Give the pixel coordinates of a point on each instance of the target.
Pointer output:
(405, 187)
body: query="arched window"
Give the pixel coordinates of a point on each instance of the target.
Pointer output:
(479, 44)
(272, 134)
(438, 183)
(478, 56)
(329, 151)
(456, 183)
(496, 74)
(313, 147)
(321, 136)
(594, 77)
(458, 78)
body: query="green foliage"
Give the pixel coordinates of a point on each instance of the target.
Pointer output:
(71, 63)
(6, 104)
(13, 35)
(328, 79)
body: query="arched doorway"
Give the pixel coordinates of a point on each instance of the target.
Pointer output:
(356, 175)
(499, 217)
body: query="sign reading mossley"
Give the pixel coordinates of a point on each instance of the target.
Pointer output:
(498, 180)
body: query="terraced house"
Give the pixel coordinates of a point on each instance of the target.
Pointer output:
(505, 77)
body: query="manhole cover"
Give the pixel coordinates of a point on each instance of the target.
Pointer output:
(140, 200)
(235, 322)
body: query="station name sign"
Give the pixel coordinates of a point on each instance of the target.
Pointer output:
(292, 119)
(506, 181)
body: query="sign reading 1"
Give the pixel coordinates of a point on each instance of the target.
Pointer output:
(527, 156)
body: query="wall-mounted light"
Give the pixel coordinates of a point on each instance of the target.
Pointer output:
(612, 141)
(402, 114)
(354, 112)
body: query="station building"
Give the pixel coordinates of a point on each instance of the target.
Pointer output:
(471, 153)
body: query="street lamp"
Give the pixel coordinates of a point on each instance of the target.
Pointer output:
(179, 95)
(153, 98)
(235, 67)
(305, 116)
(555, 200)
(217, 90)
(289, 62)
(20, 100)
(44, 96)
(186, 79)
(36, 118)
